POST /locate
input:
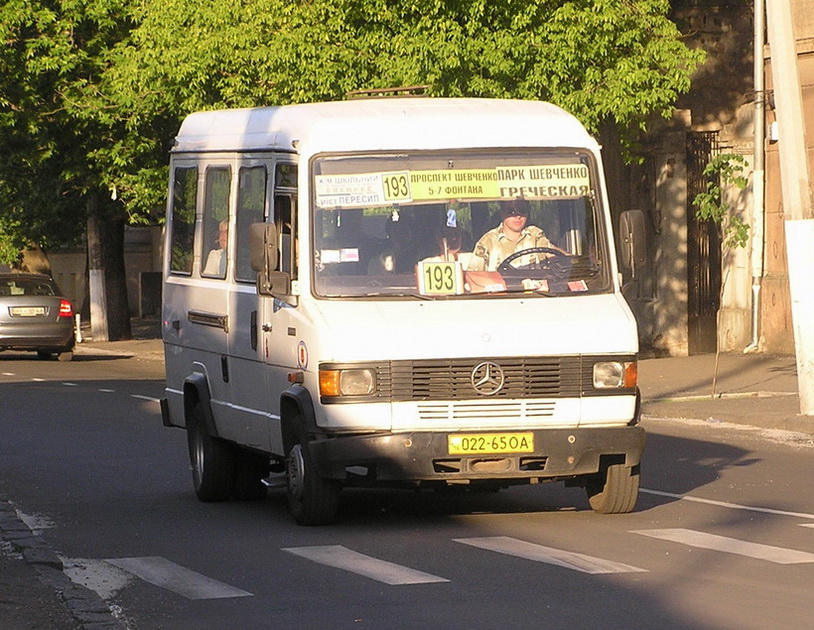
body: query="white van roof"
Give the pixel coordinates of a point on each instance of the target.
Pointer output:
(383, 124)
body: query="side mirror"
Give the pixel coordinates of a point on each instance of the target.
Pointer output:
(633, 240)
(263, 246)
(264, 253)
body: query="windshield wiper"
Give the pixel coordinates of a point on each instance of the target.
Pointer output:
(401, 294)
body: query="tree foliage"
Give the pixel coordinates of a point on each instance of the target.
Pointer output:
(723, 172)
(50, 49)
(92, 91)
(603, 60)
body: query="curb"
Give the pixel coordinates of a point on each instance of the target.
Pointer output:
(720, 396)
(85, 606)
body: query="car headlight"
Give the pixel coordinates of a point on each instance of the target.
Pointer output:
(616, 374)
(353, 382)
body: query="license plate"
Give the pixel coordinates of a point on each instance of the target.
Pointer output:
(27, 311)
(490, 443)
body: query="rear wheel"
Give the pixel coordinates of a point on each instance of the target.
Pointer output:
(43, 354)
(615, 490)
(312, 499)
(212, 460)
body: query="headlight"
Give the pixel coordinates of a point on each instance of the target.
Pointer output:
(357, 382)
(615, 374)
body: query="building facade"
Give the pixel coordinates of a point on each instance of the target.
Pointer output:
(695, 295)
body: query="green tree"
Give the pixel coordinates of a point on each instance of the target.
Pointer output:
(50, 185)
(604, 60)
(724, 172)
(92, 91)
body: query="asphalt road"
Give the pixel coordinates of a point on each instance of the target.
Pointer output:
(723, 536)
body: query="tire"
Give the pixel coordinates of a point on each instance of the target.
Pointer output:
(44, 354)
(212, 461)
(614, 492)
(312, 499)
(250, 470)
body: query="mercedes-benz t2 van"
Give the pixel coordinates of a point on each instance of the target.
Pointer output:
(413, 292)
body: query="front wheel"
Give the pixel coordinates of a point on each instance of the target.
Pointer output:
(212, 461)
(312, 499)
(615, 491)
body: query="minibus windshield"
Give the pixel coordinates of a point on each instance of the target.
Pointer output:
(436, 225)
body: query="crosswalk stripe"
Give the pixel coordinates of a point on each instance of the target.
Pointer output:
(559, 557)
(173, 577)
(778, 555)
(726, 504)
(343, 558)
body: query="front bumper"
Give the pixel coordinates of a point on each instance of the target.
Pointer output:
(424, 456)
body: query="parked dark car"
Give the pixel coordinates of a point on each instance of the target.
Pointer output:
(34, 316)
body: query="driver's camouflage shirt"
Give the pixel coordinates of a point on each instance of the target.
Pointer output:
(494, 247)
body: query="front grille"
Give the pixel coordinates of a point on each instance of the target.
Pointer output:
(528, 377)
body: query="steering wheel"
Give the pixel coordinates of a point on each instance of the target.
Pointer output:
(506, 264)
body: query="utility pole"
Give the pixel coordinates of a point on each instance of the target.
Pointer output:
(796, 188)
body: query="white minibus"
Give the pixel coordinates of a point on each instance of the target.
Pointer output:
(407, 292)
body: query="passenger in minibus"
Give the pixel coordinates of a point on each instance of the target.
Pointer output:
(216, 260)
(450, 241)
(512, 235)
(398, 255)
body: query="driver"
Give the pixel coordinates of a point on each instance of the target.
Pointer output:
(512, 235)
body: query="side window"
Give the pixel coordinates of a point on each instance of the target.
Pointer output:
(184, 195)
(216, 222)
(251, 204)
(285, 209)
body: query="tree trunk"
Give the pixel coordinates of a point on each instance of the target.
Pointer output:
(109, 312)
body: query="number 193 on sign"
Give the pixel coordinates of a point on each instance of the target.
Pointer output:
(397, 186)
(440, 278)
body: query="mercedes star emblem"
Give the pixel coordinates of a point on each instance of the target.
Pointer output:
(487, 378)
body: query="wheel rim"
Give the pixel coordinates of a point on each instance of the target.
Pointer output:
(198, 454)
(296, 472)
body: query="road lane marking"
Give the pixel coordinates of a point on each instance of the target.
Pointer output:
(108, 391)
(173, 577)
(70, 384)
(148, 398)
(380, 570)
(733, 506)
(692, 538)
(559, 557)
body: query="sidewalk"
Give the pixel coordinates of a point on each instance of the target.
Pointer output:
(145, 345)
(754, 389)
